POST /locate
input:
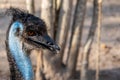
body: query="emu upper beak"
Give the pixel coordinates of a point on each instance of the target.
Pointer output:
(45, 42)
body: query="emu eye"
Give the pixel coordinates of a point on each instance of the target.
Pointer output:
(31, 33)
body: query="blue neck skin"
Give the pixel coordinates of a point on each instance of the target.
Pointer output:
(22, 60)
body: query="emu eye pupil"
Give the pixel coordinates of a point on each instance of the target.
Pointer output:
(31, 33)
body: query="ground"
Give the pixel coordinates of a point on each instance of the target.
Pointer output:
(110, 42)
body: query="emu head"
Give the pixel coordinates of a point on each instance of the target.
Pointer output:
(34, 33)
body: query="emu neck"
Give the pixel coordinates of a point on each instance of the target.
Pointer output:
(22, 60)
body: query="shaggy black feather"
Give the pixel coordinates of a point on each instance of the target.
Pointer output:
(27, 19)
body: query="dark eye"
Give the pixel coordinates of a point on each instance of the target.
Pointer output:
(31, 33)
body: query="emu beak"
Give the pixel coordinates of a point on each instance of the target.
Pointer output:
(50, 44)
(45, 42)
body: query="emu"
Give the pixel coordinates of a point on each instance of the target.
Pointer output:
(25, 33)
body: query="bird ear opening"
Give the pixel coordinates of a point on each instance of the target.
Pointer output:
(17, 31)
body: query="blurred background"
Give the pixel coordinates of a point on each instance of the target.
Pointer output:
(110, 37)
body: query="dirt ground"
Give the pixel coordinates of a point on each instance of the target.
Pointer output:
(110, 42)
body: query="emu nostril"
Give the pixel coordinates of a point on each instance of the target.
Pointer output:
(53, 46)
(49, 43)
(57, 47)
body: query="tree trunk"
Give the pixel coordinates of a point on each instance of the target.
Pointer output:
(99, 5)
(87, 47)
(30, 6)
(39, 66)
(78, 26)
(63, 25)
(47, 15)
(69, 34)
(58, 4)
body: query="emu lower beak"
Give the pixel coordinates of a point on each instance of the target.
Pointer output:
(45, 42)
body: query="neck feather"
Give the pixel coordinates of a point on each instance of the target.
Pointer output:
(22, 60)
